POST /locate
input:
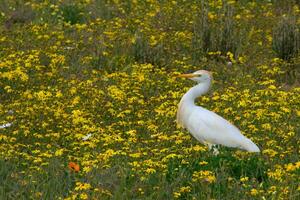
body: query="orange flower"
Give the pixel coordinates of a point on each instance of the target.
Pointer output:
(74, 167)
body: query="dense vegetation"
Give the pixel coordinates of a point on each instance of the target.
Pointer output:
(89, 97)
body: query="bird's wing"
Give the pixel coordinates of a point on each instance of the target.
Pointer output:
(214, 129)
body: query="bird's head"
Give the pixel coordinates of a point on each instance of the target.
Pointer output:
(198, 76)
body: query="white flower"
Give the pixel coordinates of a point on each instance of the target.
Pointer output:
(5, 125)
(10, 112)
(229, 64)
(84, 138)
(69, 48)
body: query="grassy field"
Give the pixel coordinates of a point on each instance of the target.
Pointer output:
(89, 98)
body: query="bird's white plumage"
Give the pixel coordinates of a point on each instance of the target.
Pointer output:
(206, 126)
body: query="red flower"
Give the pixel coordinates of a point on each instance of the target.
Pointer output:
(74, 167)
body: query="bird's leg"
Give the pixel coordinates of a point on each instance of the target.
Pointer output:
(213, 147)
(215, 150)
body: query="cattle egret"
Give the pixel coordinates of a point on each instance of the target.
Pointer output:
(206, 126)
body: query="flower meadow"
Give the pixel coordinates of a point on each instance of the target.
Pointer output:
(89, 95)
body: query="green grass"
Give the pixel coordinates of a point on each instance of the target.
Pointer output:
(107, 68)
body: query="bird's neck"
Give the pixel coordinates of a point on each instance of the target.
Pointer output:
(187, 102)
(196, 91)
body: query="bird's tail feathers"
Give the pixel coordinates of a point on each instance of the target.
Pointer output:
(250, 146)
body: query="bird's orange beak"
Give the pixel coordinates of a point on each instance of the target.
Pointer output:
(187, 75)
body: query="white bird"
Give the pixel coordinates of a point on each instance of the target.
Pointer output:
(206, 126)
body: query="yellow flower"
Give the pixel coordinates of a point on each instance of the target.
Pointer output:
(82, 186)
(231, 57)
(59, 152)
(292, 167)
(204, 175)
(59, 94)
(211, 16)
(270, 152)
(238, 17)
(150, 171)
(8, 89)
(43, 95)
(241, 59)
(83, 196)
(176, 195)
(243, 179)
(198, 148)
(203, 163)
(254, 192)
(185, 189)
(153, 41)
(277, 174)
(116, 93)
(266, 126)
